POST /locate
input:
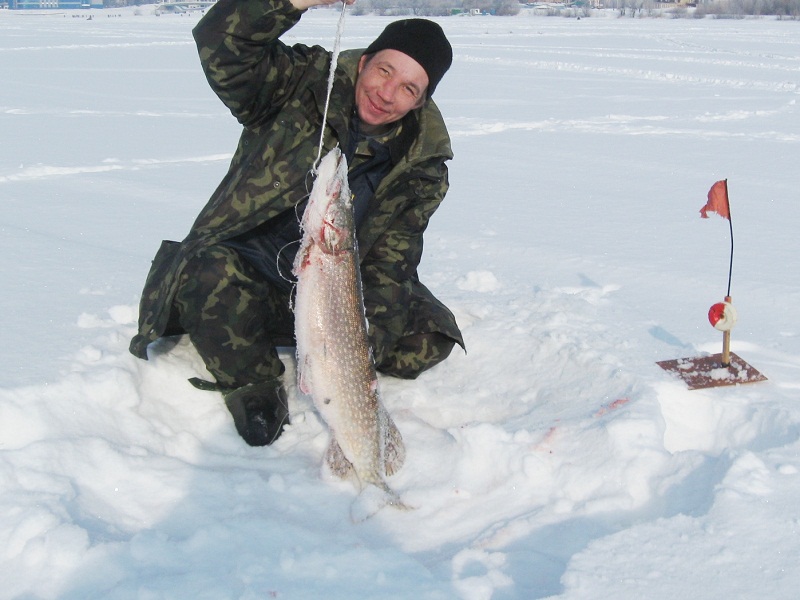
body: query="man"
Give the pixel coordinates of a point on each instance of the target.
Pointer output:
(228, 284)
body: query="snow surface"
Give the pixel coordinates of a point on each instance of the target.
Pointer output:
(555, 459)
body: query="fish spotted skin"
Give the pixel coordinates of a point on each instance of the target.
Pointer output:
(335, 365)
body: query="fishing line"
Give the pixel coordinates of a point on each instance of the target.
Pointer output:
(315, 167)
(334, 60)
(286, 278)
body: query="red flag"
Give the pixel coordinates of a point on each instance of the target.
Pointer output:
(717, 201)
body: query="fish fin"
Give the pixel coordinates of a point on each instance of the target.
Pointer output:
(303, 385)
(337, 461)
(303, 381)
(394, 452)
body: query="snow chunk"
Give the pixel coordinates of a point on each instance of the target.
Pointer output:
(479, 281)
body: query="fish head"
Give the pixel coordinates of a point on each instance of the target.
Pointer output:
(329, 215)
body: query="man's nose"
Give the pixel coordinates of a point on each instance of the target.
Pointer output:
(387, 91)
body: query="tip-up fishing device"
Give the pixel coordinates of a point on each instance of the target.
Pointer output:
(726, 368)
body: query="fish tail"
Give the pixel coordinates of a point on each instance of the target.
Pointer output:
(372, 499)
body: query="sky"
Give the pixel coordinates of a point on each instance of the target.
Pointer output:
(553, 459)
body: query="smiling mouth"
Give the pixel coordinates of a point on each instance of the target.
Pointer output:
(374, 107)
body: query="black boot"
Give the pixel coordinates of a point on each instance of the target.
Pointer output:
(259, 411)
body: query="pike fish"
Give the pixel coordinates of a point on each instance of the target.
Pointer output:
(335, 364)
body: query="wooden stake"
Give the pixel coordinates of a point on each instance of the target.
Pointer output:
(726, 348)
(726, 343)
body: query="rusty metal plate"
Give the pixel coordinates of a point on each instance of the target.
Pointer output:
(707, 371)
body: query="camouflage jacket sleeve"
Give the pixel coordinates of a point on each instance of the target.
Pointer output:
(251, 71)
(389, 269)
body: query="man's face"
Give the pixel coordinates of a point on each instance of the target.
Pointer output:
(389, 85)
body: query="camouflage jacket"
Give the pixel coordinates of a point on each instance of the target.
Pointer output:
(278, 92)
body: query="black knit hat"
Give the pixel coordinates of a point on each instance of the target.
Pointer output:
(422, 40)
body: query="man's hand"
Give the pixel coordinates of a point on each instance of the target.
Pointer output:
(304, 4)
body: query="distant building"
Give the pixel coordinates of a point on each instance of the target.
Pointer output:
(45, 4)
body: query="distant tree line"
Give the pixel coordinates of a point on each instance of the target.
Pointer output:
(703, 8)
(741, 8)
(435, 8)
(631, 8)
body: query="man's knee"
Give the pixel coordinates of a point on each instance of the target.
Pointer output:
(228, 312)
(208, 269)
